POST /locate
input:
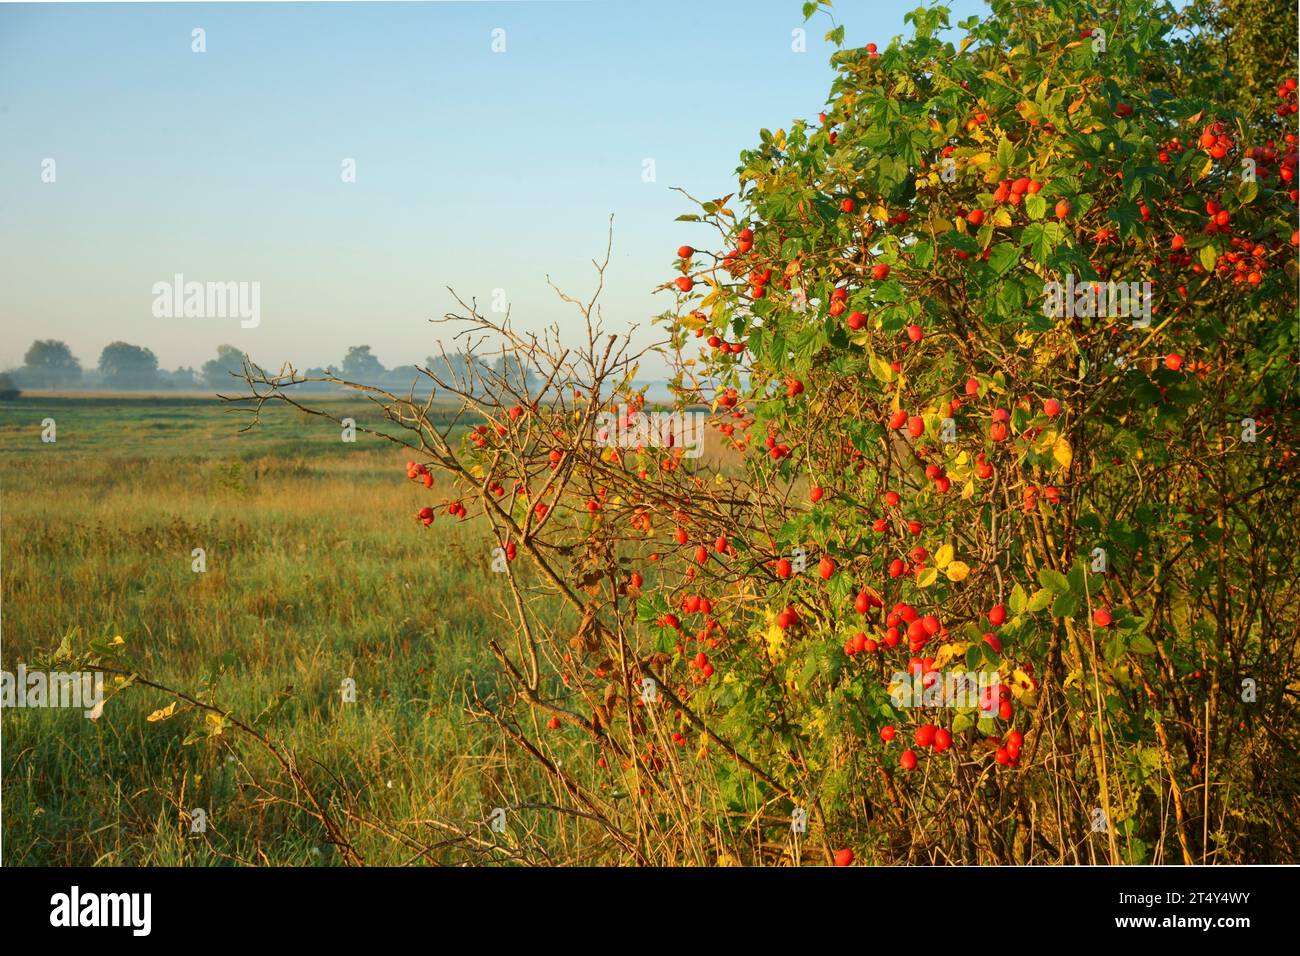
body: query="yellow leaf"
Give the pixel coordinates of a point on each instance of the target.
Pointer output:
(950, 652)
(957, 571)
(1062, 453)
(927, 577)
(775, 638)
(162, 713)
(943, 555)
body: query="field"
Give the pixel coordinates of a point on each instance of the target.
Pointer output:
(315, 572)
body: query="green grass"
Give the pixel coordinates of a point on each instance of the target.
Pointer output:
(316, 572)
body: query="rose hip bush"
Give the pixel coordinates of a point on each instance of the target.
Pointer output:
(937, 444)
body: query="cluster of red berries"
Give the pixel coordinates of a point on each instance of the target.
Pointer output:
(744, 243)
(860, 643)
(776, 450)
(1216, 141)
(904, 619)
(1170, 149)
(418, 472)
(1286, 92)
(1050, 492)
(839, 301)
(1012, 191)
(481, 434)
(1008, 751)
(1246, 261)
(701, 663)
(927, 735)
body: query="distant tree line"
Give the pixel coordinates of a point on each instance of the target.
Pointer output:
(50, 364)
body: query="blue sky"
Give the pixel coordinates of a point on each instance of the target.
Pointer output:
(475, 170)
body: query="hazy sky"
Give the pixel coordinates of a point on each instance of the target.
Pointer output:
(474, 169)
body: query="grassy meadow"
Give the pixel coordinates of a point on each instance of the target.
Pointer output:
(316, 572)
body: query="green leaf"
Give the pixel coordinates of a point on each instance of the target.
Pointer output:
(1035, 205)
(1002, 257)
(922, 255)
(1040, 600)
(1126, 215)
(1040, 238)
(890, 291)
(1064, 605)
(1113, 649)
(1208, 258)
(1141, 644)
(1054, 580)
(1006, 154)
(1011, 297)
(1075, 577)
(1019, 599)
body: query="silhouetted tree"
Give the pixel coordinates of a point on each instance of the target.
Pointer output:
(128, 366)
(8, 389)
(217, 372)
(49, 364)
(360, 366)
(183, 379)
